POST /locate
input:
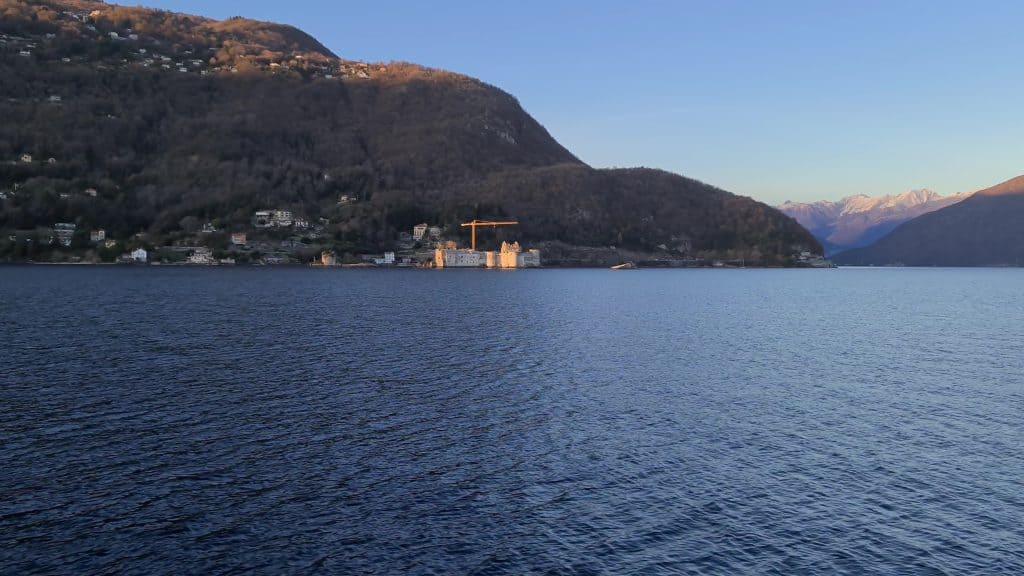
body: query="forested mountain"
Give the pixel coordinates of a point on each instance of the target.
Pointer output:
(857, 221)
(983, 230)
(168, 120)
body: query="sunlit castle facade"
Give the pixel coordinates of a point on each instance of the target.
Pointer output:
(456, 258)
(510, 256)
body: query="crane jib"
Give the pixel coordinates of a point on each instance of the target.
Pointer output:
(474, 223)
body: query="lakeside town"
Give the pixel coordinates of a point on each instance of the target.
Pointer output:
(279, 237)
(424, 246)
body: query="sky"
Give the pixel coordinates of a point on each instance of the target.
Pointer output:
(780, 100)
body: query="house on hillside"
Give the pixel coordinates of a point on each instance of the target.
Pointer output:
(263, 219)
(418, 231)
(387, 260)
(97, 235)
(238, 239)
(140, 255)
(64, 232)
(283, 218)
(26, 158)
(202, 255)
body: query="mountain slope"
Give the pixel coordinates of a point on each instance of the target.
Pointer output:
(983, 230)
(174, 118)
(857, 221)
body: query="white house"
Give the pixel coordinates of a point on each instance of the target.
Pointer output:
(26, 158)
(140, 255)
(263, 219)
(201, 255)
(283, 218)
(97, 235)
(387, 260)
(418, 231)
(64, 231)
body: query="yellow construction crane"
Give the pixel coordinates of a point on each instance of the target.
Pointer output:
(473, 224)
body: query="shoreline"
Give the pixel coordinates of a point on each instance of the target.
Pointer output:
(364, 267)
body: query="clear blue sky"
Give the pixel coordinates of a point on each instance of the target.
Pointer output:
(771, 99)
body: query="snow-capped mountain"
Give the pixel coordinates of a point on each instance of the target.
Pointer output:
(860, 220)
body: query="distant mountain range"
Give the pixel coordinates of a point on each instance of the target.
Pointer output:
(857, 221)
(986, 229)
(148, 123)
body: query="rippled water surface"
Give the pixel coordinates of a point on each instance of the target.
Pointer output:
(293, 421)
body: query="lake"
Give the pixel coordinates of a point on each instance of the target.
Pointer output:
(297, 421)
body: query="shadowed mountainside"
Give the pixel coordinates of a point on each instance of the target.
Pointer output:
(173, 118)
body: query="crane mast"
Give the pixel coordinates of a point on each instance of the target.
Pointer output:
(473, 224)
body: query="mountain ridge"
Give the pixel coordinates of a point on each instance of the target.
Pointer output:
(982, 230)
(859, 220)
(171, 119)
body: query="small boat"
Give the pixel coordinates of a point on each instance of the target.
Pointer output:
(625, 266)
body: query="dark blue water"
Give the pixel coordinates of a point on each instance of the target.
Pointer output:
(290, 421)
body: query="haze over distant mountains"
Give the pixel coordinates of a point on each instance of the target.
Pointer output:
(857, 221)
(985, 229)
